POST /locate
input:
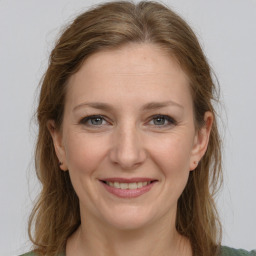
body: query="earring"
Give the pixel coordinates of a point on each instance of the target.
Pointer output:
(60, 163)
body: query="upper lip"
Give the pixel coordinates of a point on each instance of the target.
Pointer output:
(128, 180)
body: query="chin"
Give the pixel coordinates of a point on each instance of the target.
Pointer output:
(129, 219)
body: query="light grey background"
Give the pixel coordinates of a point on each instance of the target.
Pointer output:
(28, 29)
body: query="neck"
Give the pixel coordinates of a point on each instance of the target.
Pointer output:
(92, 238)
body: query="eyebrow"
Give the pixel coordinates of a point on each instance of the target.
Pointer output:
(157, 105)
(148, 106)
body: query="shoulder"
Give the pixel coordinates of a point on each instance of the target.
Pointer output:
(33, 254)
(28, 254)
(227, 251)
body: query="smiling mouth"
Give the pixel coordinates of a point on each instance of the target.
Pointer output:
(129, 186)
(133, 185)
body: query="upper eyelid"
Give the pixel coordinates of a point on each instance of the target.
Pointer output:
(167, 117)
(161, 115)
(89, 117)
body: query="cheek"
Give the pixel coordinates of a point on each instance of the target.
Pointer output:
(83, 153)
(172, 153)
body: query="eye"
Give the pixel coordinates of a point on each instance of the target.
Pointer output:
(95, 120)
(162, 120)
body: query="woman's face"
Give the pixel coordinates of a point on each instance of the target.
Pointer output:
(128, 137)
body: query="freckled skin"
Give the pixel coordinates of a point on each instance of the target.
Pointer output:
(128, 144)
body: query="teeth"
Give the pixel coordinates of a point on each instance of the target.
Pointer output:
(134, 185)
(139, 185)
(116, 185)
(124, 185)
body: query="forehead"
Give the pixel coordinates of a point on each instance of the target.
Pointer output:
(136, 71)
(132, 59)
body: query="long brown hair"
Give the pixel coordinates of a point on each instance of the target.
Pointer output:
(56, 213)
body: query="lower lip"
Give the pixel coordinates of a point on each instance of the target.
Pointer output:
(128, 193)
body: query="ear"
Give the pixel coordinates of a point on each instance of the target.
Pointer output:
(58, 144)
(201, 140)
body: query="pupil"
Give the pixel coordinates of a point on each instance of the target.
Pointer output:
(159, 121)
(97, 121)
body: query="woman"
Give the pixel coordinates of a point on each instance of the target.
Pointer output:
(128, 151)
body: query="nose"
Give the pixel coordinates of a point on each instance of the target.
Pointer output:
(127, 149)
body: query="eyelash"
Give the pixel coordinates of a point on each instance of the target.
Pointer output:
(84, 120)
(167, 118)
